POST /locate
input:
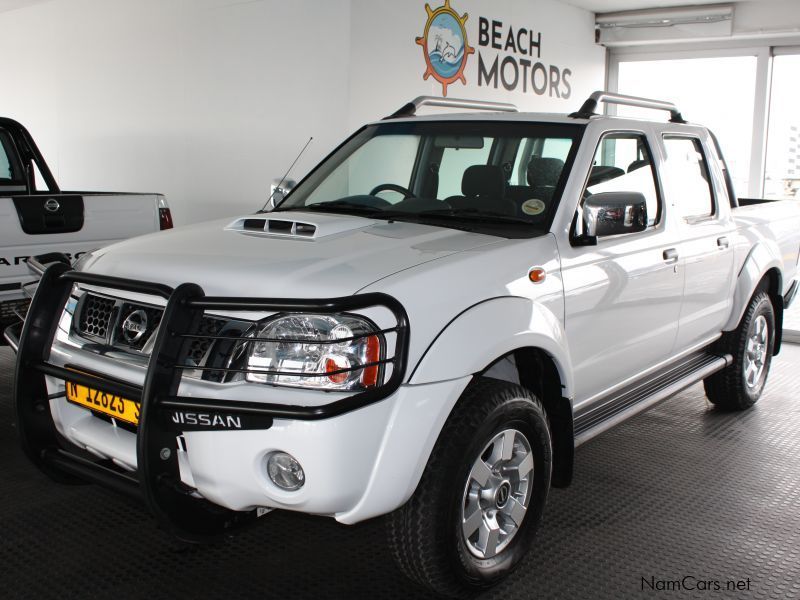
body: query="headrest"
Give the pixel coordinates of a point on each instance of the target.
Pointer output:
(483, 180)
(544, 171)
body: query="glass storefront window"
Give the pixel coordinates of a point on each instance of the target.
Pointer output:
(715, 92)
(782, 176)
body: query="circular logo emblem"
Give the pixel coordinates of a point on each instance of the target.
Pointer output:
(444, 45)
(51, 205)
(503, 493)
(134, 326)
(533, 207)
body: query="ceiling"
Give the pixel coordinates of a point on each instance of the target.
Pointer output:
(604, 6)
(597, 6)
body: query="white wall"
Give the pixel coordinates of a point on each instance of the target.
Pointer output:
(208, 100)
(384, 35)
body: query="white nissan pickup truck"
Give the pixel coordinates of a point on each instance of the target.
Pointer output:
(37, 218)
(425, 328)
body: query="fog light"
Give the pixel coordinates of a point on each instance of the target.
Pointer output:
(285, 471)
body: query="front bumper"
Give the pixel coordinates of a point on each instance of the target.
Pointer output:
(203, 484)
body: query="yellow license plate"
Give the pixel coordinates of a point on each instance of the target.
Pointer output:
(108, 404)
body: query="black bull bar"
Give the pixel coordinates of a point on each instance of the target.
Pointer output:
(157, 480)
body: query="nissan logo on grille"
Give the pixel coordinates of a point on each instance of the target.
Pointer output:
(134, 326)
(52, 205)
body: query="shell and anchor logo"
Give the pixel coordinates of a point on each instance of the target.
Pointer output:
(444, 45)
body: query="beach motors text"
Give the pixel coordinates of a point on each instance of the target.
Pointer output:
(516, 64)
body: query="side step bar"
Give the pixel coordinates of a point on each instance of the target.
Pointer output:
(644, 394)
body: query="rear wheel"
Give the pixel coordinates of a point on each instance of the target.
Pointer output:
(481, 497)
(739, 386)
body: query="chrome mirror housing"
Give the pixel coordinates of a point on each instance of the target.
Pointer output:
(613, 213)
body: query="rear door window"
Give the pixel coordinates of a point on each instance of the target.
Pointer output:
(687, 182)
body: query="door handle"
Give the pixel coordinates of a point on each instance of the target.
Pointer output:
(722, 242)
(670, 256)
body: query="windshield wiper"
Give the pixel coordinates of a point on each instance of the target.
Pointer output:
(338, 207)
(474, 214)
(347, 207)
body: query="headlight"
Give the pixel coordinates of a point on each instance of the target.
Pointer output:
(316, 351)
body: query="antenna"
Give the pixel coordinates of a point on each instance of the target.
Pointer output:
(285, 175)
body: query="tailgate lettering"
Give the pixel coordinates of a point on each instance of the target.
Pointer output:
(19, 260)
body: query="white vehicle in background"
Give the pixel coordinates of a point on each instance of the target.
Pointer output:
(36, 221)
(425, 328)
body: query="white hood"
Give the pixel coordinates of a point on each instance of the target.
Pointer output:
(342, 255)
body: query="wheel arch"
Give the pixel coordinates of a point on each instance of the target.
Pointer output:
(772, 284)
(752, 281)
(523, 342)
(538, 372)
(761, 270)
(500, 326)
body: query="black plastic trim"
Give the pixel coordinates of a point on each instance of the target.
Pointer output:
(790, 295)
(28, 154)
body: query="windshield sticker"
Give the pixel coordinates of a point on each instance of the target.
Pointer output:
(533, 207)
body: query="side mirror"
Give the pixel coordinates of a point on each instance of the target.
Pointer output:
(279, 189)
(613, 213)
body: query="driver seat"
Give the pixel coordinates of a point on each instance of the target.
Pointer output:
(483, 188)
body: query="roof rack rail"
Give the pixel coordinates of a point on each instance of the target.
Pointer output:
(589, 108)
(410, 109)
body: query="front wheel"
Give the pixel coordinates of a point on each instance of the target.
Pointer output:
(739, 385)
(480, 501)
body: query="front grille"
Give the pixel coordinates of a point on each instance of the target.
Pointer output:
(97, 314)
(131, 327)
(12, 310)
(199, 347)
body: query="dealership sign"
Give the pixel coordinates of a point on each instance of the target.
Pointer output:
(508, 57)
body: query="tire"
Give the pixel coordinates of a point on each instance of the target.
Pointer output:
(427, 536)
(739, 385)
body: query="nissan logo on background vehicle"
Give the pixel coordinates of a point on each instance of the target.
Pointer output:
(52, 205)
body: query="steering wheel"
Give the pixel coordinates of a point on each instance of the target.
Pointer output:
(393, 187)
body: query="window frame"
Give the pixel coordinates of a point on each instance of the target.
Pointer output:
(658, 224)
(694, 219)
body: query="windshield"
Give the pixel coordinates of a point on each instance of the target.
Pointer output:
(500, 178)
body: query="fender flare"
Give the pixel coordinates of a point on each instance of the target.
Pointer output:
(763, 257)
(488, 330)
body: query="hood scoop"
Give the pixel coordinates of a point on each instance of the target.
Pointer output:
(287, 226)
